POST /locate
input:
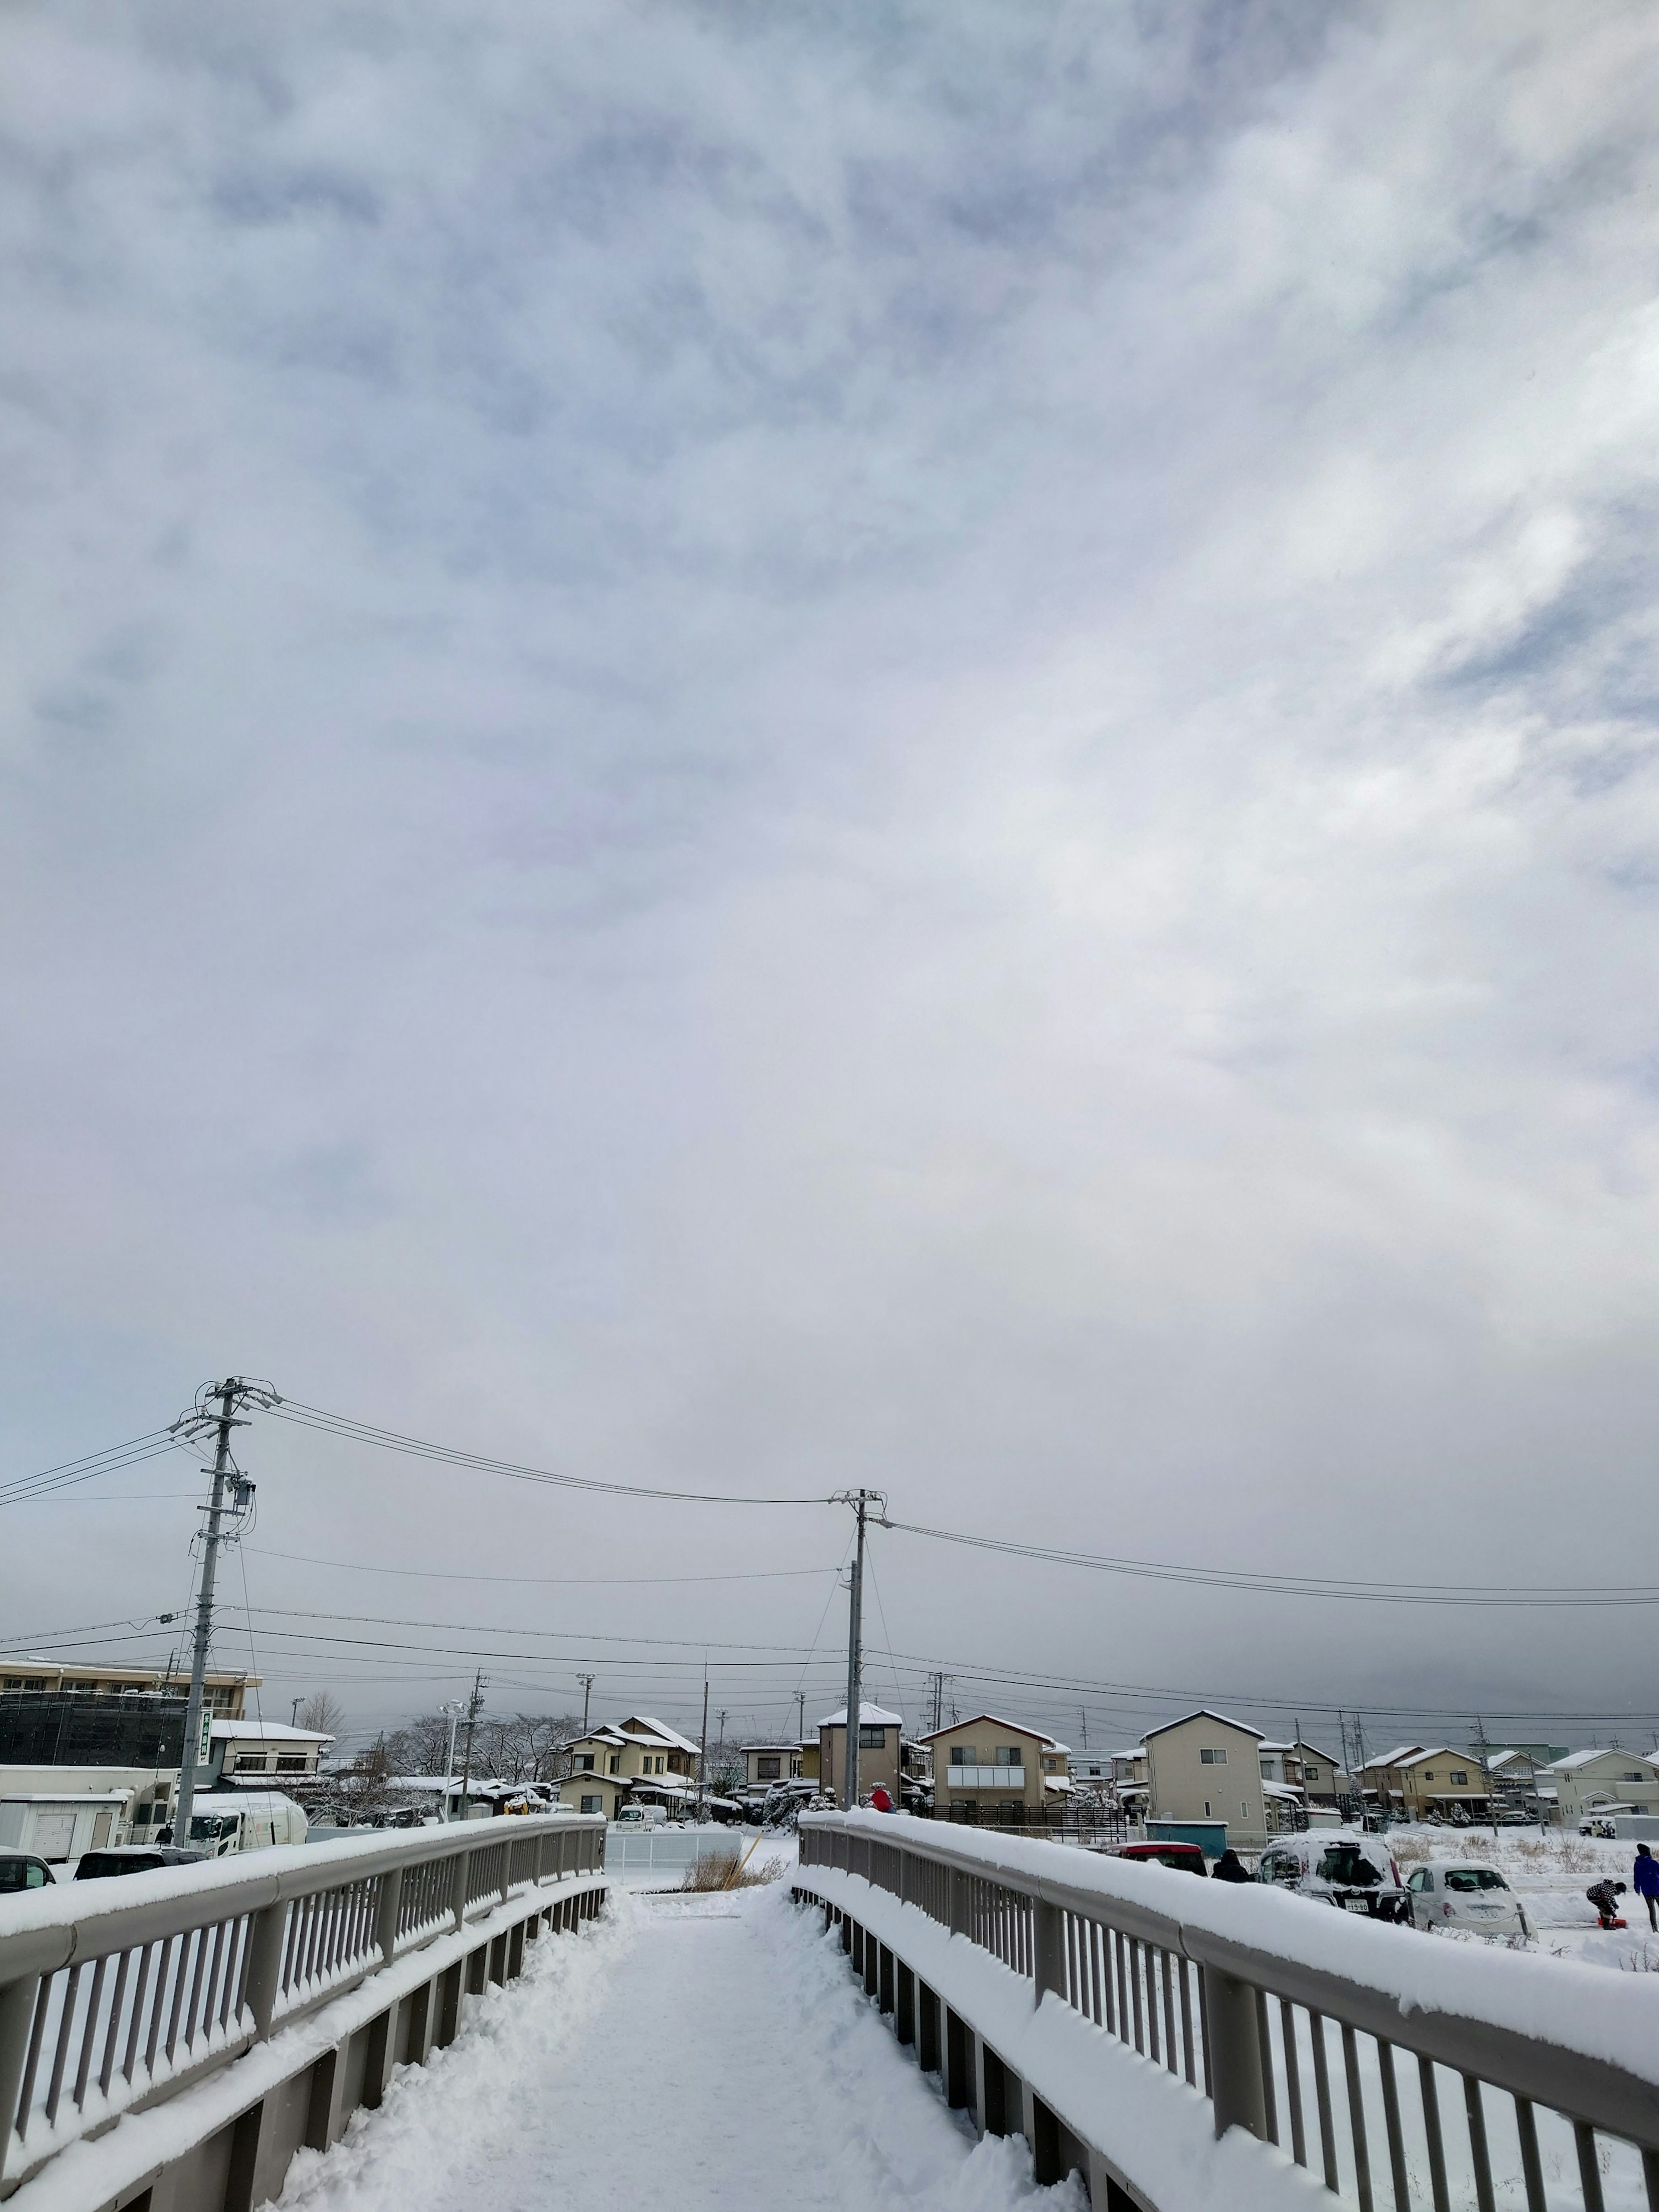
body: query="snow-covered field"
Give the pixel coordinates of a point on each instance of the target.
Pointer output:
(702, 2050)
(1550, 1874)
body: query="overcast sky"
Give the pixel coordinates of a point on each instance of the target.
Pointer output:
(770, 749)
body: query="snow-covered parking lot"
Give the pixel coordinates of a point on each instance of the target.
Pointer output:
(1549, 1873)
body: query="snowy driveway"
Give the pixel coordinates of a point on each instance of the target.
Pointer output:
(709, 2051)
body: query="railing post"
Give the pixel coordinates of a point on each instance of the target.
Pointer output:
(458, 1889)
(264, 1963)
(1235, 2053)
(904, 1875)
(388, 1909)
(17, 2001)
(1047, 1949)
(958, 1902)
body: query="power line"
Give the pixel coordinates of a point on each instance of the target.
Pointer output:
(539, 1582)
(1451, 1594)
(354, 1431)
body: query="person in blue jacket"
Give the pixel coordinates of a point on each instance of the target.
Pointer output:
(1647, 1882)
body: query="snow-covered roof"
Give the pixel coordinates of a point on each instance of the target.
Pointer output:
(1285, 1791)
(1054, 1745)
(1576, 1758)
(1059, 1783)
(266, 1732)
(1205, 1713)
(869, 1716)
(639, 1727)
(1014, 1727)
(745, 1748)
(1266, 1746)
(1398, 1757)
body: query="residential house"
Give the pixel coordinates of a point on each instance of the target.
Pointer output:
(809, 1759)
(1324, 1780)
(640, 1759)
(768, 1763)
(887, 1756)
(1587, 1781)
(1414, 1781)
(1206, 1767)
(986, 1770)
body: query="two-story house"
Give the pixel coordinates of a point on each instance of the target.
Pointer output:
(887, 1756)
(641, 1758)
(1206, 1767)
(1586, 1781)
(1415, 1780)
(988, 1770)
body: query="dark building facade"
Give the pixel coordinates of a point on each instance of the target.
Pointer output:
(53, 1727)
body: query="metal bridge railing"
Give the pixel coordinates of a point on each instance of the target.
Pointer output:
(117, 1993)
(1345, 2049)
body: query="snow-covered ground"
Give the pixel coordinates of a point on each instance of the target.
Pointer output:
(1549, 1873)
(702, 2050)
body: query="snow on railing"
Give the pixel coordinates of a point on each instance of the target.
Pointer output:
(116, 1993)
(1403, 2072)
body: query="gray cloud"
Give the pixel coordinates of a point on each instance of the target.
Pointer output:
(832, 750)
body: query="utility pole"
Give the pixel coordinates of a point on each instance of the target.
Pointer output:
(587, 1681)
(1083, 1720)
(703, 1754)
(230, 1394)
(800, 1718)
(474, 1707)
(860, 1501)
(295, 1721)
(454, 1710)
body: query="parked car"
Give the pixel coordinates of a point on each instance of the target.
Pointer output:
(1356, 1873)
(1184, 1858)
(1464, 1893)
(641, 1816)
(134, 1858)
(22, 1871)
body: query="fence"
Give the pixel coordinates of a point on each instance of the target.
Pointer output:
(121, 1995)
(1399, 2070)
(642, 1856)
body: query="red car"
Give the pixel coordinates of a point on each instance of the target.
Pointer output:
(1184, 1858)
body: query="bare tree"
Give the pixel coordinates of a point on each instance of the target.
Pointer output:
(323, 1711)
(525, 1747)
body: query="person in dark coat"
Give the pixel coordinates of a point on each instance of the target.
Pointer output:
(1646, 1877)
(1230, 1867)
(1604, 1896)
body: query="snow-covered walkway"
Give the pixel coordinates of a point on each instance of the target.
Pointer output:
(698, 2052)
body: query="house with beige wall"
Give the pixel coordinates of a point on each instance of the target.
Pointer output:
(1206, 1767)
(885, 1756)
(1585, 1781)
(986, 1768)
(639, 1758)
(1414, 1780)
(768, 1763)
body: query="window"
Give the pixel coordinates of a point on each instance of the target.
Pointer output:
(584, 1762)
(1206, 1808)
(872, 1739)
(1210, 1757)
(593, 1804)
(1008, 1754)
(1469, 1878)
(768, 1768)
(1348, 1863)
(963, 1754)
(1632, 1778)
(616, 1762)
(290, 1762)
(1460, 1775)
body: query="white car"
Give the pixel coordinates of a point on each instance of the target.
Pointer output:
(1464, 1893)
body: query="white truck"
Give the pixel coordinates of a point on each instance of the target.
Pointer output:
(226, 1820)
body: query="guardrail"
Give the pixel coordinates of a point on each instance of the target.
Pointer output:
(1457, 2078)
(119, 1994)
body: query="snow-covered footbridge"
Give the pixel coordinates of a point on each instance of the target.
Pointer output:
(384, 2024)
